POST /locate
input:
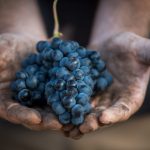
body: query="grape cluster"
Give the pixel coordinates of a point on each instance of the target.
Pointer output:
(64, 75)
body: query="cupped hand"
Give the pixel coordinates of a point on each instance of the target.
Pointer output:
(14, 48)
(128, 58)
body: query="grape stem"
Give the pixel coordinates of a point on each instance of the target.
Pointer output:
(56, 32)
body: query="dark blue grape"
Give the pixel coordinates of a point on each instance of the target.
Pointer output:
(66, 47)
(56, 43)
(80, 83)
(68, 77)
(40, 76)
(41, 45)
(41, 87)
(64, 93)
(82, 51)
(73, 63)
(85, 89)
(24, 97)
(59, 84)
(107, 76)
(46, 54)
(72, 91)
(102, 84)
(63, 62)
(19, 85)
(30, 60)
(77, 120)
(85, 62)
(49, 91)
(71, 83)
(21, 75)
(82, 98)
(94, 73)
(94, 55)
(52, 71)
(89, 81)
(65, 118)
(77, 110)
(73, 54)
(74, 44)
(55, 63)
(31, 69)
(68, 102)
(32, 82)
(47, 64)
(56, 55)
(36, 96)
(87, 108)
(58, 108)
(39, 59)
(85, 69)
(100, 65)
(79, 74)
(43, 69)
(53, 98)
(60, 72)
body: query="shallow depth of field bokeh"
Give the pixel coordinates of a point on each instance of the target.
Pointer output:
(133, 134)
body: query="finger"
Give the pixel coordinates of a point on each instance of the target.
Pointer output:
(120, 111)
(75, 134)
(49, 122)
(21, 114)
(141, 47)
(91, 122)
(67, 128)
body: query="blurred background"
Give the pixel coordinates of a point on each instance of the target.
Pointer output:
(76, 20)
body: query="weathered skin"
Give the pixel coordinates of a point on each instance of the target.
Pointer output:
(13, 48)
(119, 30)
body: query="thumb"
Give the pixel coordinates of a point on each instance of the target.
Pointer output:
(141, 48)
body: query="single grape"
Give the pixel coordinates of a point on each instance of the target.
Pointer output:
(87, 108)
(66, 47)
(68, 102)
(65, 118)
(55, 43)
(82, 51)
(21, 75)
(77, 110)
(32, 82)
(100, 65)
(24, 97)
(56, 55)
(79, 74)
(58, 108)
(31, 69)
(19, 85)
(82, 98)
(59, 84)
(53, 98)
(41, 45)
(85, 69)
(107, 76)
(77, 120)
(102, 84)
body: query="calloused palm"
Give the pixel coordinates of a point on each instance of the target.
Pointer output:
(128, 57)
(13, 48)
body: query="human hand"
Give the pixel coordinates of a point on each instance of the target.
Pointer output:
(128, 57)
(14, 48)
